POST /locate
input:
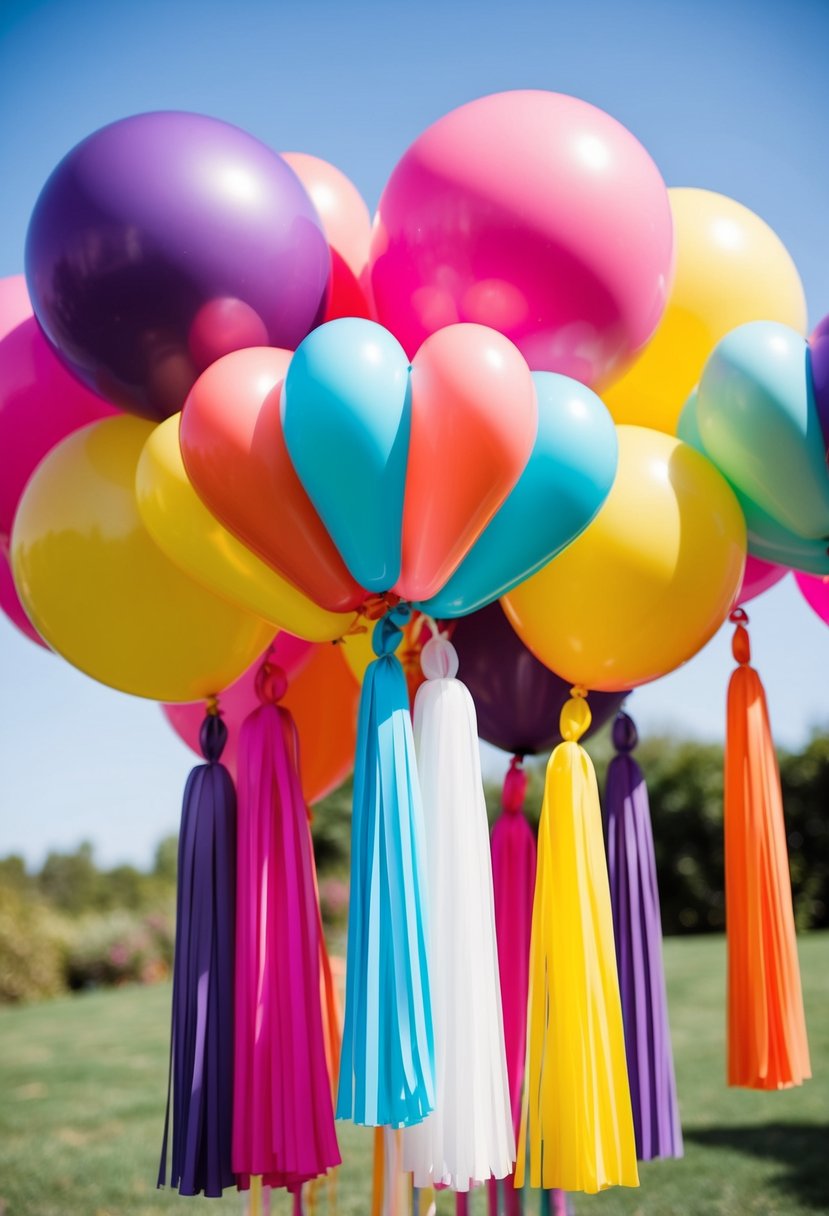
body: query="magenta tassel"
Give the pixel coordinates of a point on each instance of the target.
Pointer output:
(283, 1122)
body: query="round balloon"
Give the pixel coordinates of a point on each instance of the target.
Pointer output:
(183, 527)
(517, 699)
(343, 214)
(154, 229)
(730, 268)
(100, 591)
(322, 696)
(649, 581)
(40, 401)
(758, 577)
(535, 214)
(10, 604)
(815, 591)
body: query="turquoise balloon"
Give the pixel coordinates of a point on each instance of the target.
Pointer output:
(346, 416)
(759, 424)
(767, 538)
(567, 478)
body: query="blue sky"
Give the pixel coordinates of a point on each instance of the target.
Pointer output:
(729, 95)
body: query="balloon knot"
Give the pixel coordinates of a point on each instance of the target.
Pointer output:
(377, 606)
(211, 705)
(578, 690)
(575, 716)
(388, 632)
(271, 682)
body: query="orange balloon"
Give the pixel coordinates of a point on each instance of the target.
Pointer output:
(324, 699)
(474, 422)
(235, 456)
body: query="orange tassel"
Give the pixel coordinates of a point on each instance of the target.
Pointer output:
(767, 1045)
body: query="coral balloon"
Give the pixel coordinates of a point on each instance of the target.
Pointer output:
(730, 268)
(650, 580)
(235, 456)
(184, 529)
(322, 696)
(517, 699)
(535, 214)
(100, 591)
(344, 216)
(40, 402)
(149, 222)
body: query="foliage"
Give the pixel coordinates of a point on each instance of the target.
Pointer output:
(31, 950)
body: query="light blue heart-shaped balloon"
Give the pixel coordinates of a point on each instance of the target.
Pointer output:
(567, 478)
(346, 416)
(758, 422)
(767, 537)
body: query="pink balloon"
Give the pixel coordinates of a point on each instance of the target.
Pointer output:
(815, 591)
(535, 214)
(10, 603)
(40, 401)
(758, 577)
(240, 699)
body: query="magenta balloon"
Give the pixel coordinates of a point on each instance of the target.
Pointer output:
(815, 591)
(40, 401)
(239, 700)
(535, 214)
(10, 604)
(518, 700)
(159, 239)
(758, 577)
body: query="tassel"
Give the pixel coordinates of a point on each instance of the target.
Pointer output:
(767, 1044)
(513, 877)
(576, 1116)
(387, 1060)
(469, 1137)
(634, 897)
(201, 1040)
(283, 1122)
(390, 1186)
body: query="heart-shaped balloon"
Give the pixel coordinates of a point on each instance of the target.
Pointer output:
(235, 456)
(759, 424)
(566, 480)
(474, 422)
(346, 413)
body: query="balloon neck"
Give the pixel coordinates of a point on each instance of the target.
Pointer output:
(388, 632)
(514, 792)
(377, 606)
(625, 735)
(271, 682)
(575, 716)
(740, 643)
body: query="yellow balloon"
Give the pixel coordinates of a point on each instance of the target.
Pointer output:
(649, 581)
(730, 268)
(102, 593)
(183, 527)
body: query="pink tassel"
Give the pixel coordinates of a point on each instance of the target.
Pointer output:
(283, 1123)
(513, 877)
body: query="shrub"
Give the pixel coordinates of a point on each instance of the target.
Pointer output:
(31, 949)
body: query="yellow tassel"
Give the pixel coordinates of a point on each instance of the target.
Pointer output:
(256, 1196)
(576, 1115)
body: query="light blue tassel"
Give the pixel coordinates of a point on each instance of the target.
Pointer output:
(387, 1059)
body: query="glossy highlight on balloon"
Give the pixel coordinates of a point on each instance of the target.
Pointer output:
(99, 590)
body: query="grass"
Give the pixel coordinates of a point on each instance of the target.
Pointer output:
(82, 1082)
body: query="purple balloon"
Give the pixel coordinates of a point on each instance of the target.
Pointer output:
(164, 241)
(819, 352)
(518, 699)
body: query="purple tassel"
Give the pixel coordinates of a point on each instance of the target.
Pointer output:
(200, 1084)
(638, 931)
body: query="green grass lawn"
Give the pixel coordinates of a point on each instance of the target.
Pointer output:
(82, 1087)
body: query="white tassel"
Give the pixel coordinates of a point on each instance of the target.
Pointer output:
(469, 1136)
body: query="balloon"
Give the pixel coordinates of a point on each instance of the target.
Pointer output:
(10, 604)
(758, 577)
(235, 456)
(346, 414)
(651, 579)
(730, 268)
(322, 696)
(815, 591)
(148, 221)
(517, 699)
(102, 594)
(566, 480)
(344, 216)
(757, 418)
(535, 214)
(474, 422)
(819, 361)
(40, 402)
(190, 536)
